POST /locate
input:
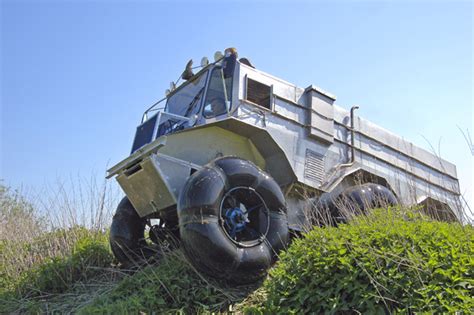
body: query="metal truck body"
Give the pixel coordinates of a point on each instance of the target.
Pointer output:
(238, 161)
(298, 136)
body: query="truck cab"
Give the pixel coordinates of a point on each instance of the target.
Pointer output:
(205, 97)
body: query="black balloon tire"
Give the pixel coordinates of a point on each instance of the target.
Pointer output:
(205, 242)
(360, 198)
(127, 235)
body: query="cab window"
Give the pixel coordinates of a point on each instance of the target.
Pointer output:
(218, 94)
(186, 100)
(259, 93)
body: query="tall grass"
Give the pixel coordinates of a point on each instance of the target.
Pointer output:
(55, 257)
(53, 240)
(45, 225)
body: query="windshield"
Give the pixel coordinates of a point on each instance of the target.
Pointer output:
(186, 101)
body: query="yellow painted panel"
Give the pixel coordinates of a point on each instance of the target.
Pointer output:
(202, 145)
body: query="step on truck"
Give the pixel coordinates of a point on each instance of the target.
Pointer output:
(234, 161)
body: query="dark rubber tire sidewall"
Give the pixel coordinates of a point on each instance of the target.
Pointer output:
(204, 240)
(127, 234)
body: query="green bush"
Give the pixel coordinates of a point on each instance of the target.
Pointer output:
(52, 276)
(172, 286)
(90, 254)
(26, 258)
(387, 262)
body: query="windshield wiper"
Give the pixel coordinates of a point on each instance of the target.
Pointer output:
(193, 102)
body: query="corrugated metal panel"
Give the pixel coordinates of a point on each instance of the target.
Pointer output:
(314, 166)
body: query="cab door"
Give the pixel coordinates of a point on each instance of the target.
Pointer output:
(217, 102)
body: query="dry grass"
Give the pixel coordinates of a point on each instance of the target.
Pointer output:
(43, 226)
(48, 249)
(41, 231)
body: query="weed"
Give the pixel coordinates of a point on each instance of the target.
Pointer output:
(171, 286)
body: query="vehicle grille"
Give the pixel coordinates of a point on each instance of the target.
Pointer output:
(314, 166)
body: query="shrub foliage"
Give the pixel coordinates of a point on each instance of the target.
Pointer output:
(88, 259)
(37, 280)
(387, 262)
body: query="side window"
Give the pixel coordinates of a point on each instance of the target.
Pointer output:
(259, 93)
(218, 94)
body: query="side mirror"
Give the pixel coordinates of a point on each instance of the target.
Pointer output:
(192, 120)
(207, 110)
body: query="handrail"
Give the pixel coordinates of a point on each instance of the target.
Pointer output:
(144, 116)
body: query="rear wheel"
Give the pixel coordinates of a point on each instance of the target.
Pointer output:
(232, 220)
(359, 199)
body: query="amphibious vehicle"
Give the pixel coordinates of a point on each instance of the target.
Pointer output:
(235, 161)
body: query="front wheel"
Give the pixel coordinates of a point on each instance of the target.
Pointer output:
(232, 219)
(127, 234)
(134, 240)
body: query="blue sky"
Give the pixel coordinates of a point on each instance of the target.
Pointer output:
(77, 75)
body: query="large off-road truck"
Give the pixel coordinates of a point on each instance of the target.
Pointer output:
(234, 161)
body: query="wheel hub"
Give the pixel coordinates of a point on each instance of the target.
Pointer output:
(236, 219)
(244, 216)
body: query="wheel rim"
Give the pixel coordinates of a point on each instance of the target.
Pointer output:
(244, 216)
